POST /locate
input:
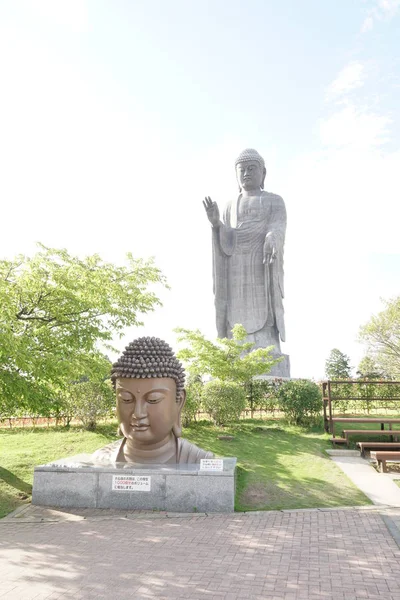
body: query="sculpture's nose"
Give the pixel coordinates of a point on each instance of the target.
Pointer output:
(139, 409)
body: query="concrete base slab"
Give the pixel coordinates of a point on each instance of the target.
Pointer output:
(78, 482)
(281, 369)
(343, 452)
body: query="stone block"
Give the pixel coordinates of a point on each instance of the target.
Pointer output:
(67, 489)
(78, 482)
(182, 493)
(144, 500)
(196, 493)
(281, 369)
(215, 494)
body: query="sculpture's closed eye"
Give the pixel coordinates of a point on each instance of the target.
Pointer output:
(154, 397)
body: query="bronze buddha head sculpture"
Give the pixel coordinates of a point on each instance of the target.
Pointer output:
(149, 382)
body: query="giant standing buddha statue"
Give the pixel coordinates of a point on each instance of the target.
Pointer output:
(248, 247)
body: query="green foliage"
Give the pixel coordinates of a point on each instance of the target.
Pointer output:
(90, 401)
(192, 405)
(382, 336)
(226, 359)
(262, 394)
(367, 394)
(337, 365)
(55, 310)
(300, 400)
(223, 400)
(368, 369)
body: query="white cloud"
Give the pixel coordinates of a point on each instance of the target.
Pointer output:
(344, 210)
(342, 204)
(368, 24)
(389, 7)
(383, 11)
(351, 77)
(354, 127)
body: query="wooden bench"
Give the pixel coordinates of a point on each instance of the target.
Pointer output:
(363, 446)
(338, 440)
(348, 432)
(383, 457)
(381, 420)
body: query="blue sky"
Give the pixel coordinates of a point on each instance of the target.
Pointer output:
(116, 118)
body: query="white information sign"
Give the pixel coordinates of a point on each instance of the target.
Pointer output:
(131, 483)
(211, 464)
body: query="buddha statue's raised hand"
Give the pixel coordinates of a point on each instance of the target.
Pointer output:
(212, 211)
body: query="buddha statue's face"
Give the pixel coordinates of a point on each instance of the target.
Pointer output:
(147, 409)
(250, 175)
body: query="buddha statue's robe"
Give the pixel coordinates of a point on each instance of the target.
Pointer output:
(186, 453)
(246, 290)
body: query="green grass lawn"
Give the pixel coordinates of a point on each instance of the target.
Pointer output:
(279, 466)
(22, 449)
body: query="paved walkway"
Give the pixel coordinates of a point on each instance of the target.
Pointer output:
(347, 554)
(379, 487)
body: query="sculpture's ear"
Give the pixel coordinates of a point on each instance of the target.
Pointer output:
(263, 178)
(182, 400)
(177, 427)
(238, 181)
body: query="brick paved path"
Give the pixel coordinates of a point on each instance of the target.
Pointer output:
(275, 555)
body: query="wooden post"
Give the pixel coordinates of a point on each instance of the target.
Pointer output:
(331, 425)
(324, 401)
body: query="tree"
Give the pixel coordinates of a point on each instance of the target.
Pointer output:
(382, 336)
(300, 400)
(89, 402)
(368, 369)
(56, 311)
(224, 400)
(194, 386)
(337, 365)
(226, 359)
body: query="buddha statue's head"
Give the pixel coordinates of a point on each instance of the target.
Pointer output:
(250, 170)
(149, 383)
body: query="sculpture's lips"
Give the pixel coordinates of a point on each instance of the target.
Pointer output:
(137, 427)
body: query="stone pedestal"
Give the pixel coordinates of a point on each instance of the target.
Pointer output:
(78, 482)
(281, 369)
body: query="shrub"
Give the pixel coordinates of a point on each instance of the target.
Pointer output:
(300, 400)
(223, 400)
(262, 394)
(192, 405)
(89, 401)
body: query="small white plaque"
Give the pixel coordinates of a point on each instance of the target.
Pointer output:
(131, 483)
(211, 464)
